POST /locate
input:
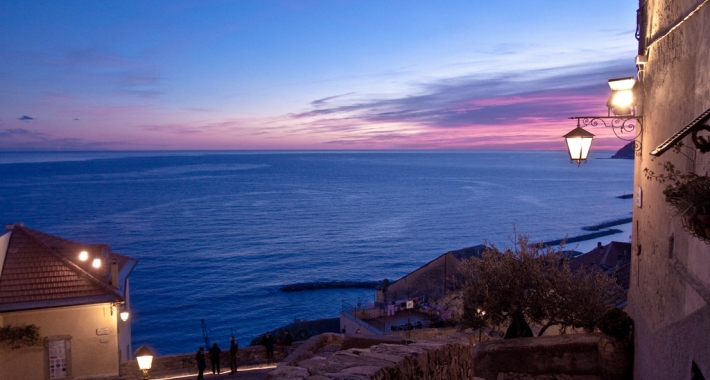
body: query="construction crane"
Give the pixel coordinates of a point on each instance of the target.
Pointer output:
(205, 329)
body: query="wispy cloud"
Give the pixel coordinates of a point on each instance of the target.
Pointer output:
(320, 102)
(14, 132)
(466, 111)
(26, 118)
(25, 139)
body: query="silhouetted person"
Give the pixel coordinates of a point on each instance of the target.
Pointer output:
(233, 350)
(215, 354)
(201, 365)
(268, 342)
(288, 342)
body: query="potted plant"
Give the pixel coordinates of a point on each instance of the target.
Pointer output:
(689, 195)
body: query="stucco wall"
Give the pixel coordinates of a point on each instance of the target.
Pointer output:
(91, 354)
(672, 320)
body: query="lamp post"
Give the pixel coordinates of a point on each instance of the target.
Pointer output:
(481, 314)
(144, 356)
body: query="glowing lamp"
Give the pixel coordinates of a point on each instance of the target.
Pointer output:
(144, 356)
(579, 141)
(96, 263)
(622, 95)
(83, 255)
(124, 315)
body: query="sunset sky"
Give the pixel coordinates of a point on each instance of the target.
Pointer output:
(328, 74)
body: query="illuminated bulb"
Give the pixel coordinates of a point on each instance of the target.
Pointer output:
(83, 255)
(96, 263)
(622, 99)
(622, 95)
(124, 315)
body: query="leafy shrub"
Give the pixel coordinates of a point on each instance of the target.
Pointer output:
(617, 323)
(18, 336)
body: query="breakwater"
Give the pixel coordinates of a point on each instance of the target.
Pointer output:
(328, 285)
(611, 223)
(318, 285)
(584, 237)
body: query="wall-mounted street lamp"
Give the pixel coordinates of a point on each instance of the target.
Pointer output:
(83, 255)
(579, 141)
(144, 356)
(124, 314)
(622, 100)
(96, 263)
(622, 103)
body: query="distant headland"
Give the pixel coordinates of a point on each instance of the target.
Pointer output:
(627, 152)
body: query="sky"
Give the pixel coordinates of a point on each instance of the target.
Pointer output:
(308, 75)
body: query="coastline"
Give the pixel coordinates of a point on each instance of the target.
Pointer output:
(582, 243)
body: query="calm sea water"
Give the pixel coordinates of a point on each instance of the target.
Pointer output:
(217, 233)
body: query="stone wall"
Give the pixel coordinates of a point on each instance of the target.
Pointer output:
(569, 355)
(183, 364)
(670, 267)
(370, 358)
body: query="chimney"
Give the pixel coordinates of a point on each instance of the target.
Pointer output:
(11, 226)
(114, 274)
(599, 245)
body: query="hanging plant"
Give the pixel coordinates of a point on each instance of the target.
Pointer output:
(689, 195)
(20, 336)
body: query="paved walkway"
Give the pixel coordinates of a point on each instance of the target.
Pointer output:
(247, 374)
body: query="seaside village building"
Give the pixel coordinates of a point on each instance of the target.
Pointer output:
(75, 300)
(438, 282)
(669, 295)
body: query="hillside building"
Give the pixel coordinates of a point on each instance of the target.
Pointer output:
(75, 299)
(669, 295)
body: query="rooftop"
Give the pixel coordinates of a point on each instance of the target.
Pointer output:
(40, 270)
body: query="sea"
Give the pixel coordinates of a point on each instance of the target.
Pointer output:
(217, 233)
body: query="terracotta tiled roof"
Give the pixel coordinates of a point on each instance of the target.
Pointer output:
(42, 269)
(603, 257)
(613, 258)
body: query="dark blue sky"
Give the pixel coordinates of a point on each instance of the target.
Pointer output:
(307, 74)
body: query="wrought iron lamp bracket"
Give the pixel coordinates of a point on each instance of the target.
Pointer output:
(627, 128)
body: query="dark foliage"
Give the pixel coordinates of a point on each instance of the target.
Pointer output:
(617, 323)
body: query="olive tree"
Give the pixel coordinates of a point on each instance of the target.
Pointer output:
(532, 283)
